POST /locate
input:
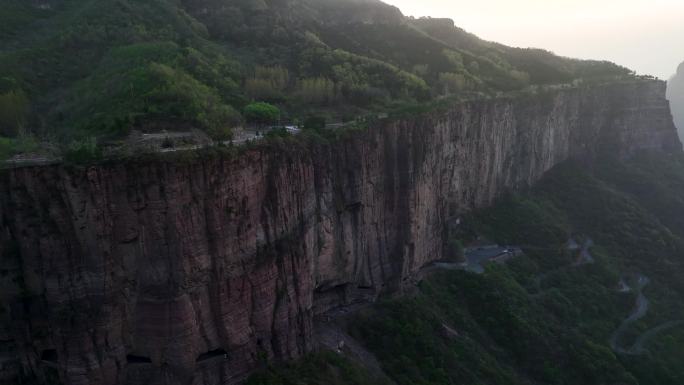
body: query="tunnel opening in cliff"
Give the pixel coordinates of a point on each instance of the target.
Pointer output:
(216, 353)
(49, 355)
(133, 359)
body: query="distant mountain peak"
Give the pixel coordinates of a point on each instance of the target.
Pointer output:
(675, 93)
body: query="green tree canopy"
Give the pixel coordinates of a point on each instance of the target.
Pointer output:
(14, 107)
(261, 113)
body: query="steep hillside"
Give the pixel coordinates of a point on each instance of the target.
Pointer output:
(675, 93)
(74, 69)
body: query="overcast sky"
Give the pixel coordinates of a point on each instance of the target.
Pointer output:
(644, 35)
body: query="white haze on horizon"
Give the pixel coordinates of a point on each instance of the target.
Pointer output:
(644, 35)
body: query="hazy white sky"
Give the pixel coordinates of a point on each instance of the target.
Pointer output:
(644, 35)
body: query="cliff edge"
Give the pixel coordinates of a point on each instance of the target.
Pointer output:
(198, 272)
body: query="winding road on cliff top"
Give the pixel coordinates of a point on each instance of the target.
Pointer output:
(245, 137)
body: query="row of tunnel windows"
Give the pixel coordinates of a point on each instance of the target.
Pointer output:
(50, 356)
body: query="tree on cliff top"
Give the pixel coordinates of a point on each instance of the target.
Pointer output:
(261, 113)
(14, 107)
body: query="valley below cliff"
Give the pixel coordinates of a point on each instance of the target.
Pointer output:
(198, 271)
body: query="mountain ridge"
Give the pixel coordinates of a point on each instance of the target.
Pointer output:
(100, 69)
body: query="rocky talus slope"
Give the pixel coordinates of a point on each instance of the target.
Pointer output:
(197, 272)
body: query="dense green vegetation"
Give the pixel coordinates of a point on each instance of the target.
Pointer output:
(467, 328)
(262, 113)
(541, 318)
(14, 146)
(75, 69)
(324, 368)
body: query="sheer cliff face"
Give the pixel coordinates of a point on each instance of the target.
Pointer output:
(195, 273)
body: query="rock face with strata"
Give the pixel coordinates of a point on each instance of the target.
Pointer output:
(199, 271)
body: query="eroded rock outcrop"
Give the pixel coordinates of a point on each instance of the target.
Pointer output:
(197, 272)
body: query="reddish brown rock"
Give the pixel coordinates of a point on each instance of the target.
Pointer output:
(195, 272)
